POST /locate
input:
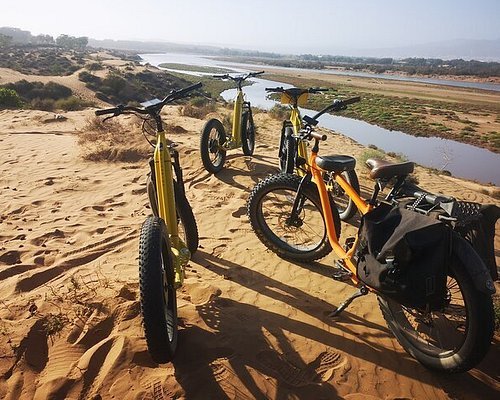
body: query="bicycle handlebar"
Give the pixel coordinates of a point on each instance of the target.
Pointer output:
(174, 95)
(107, 111)
(337, 105)
(240, 78)
(310, 90)
(317, 136)
(120, 109)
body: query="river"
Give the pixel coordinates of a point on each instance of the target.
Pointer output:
(462, 160)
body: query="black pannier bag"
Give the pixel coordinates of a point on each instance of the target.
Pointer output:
(404, 255)
(480, 232)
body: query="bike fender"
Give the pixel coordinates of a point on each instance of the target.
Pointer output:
(474, 265)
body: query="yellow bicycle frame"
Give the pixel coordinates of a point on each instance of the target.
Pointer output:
(166, 205)
(236, 132)
(296, 120)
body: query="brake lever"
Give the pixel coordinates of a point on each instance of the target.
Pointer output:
(111, 116)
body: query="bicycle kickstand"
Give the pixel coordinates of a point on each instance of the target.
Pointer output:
(362, 291)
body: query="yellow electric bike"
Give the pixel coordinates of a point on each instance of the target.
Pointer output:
(214, 143)
(168, 237)
(293, 154)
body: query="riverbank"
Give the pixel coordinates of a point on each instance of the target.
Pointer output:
(465, 115)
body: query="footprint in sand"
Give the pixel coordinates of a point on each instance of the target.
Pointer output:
(239, 212)
(219, 250)
(38, 241)
(156, 391)
(11, 257)
(321, 369)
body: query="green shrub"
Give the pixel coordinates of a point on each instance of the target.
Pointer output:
(371, 153)
(37, 90)
(9, 99)
(279, 112)
(71, 103)
(87, 77)
(43, 104)
(94, 66)
(198, 112)
(198, 101)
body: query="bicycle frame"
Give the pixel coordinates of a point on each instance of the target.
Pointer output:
(296, 121)
(363, 207)
(240, 105)
(166, 202)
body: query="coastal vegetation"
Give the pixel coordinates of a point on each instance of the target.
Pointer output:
(119, 87)
(409, 66)
(468, 122)
(41, 96)
(195, 68)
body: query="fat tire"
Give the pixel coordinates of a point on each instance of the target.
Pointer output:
(247, 133)
(154, 252)
(205, 148)
(288, 150)
(264, 233)
(184, 213)
(480, 327)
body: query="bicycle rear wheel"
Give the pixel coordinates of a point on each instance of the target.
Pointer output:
(453, 340)
(345, 205)
(302, 237)
(157, 291)
(247, 133)
(213, 155)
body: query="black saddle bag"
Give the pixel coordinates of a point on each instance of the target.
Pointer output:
(404, 255)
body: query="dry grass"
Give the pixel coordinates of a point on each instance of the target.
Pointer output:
(112, 141)
(200, 112)
(279, 112)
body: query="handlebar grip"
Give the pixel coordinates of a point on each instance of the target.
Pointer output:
(182, 92)
(220, 76)
(351, 100)
(318, 136)
(317, 90)
(113, 110)
(258, 73)
(276, 89)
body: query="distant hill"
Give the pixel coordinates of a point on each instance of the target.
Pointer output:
(467, 49)
(153, 46)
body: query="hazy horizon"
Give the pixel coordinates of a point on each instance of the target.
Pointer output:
(317, 26)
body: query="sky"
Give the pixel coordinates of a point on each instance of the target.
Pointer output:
(307, 26)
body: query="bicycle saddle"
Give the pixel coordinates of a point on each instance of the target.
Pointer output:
(336, 163)
(386, 169)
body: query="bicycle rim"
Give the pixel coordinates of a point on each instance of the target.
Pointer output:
(436, 334)
(306, 232)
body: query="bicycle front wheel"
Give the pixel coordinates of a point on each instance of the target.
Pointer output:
(300, 237)
(213, 154)
(287, 153)
(247, 133)
(157, 291)
(452, 340)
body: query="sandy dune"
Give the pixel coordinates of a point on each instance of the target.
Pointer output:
(251, 325)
